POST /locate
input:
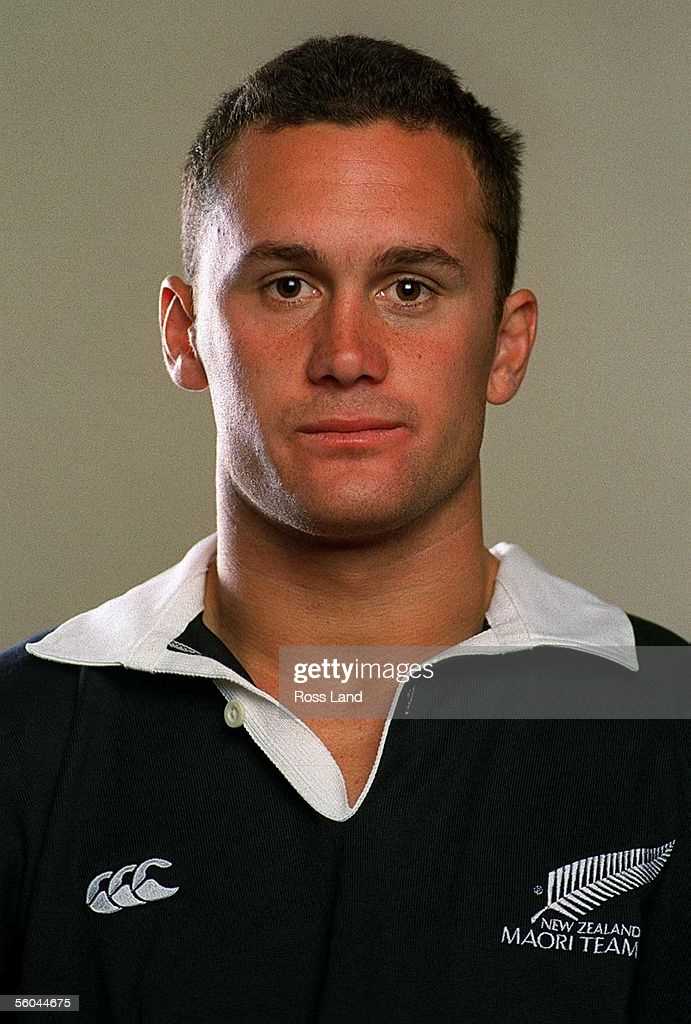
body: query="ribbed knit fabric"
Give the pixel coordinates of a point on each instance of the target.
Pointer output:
(417, 908)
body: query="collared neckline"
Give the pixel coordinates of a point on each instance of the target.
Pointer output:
(530, 607)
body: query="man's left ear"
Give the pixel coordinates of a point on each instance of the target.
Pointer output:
(515, 339)
(178, 335)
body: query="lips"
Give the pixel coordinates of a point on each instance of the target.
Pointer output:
(343, 434)
(347, 426)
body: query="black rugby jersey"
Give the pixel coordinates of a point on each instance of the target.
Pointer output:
(168, 868)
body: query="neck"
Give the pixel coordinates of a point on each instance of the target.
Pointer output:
(429, 583)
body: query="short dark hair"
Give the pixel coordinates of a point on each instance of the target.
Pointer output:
(355, 80)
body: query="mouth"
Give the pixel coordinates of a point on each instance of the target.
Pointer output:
(354, 425)
(353, 438)
(352, 435)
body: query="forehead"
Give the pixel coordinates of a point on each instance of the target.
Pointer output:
(348, 184)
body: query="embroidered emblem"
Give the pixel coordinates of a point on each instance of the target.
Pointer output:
(577, 888)
(120, 894)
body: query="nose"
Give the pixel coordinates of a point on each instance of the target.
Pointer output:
(347, 343)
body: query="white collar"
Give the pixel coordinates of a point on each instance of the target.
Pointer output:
(530, 607)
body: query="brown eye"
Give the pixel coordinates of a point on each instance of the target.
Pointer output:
(408, 289)
(288, 287)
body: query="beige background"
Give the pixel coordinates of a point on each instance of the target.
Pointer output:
(108, 468)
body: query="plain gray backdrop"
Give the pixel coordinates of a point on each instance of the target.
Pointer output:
(108, 468)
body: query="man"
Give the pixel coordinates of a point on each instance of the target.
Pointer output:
(181, 843)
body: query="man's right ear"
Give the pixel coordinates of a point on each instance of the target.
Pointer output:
(178, 339)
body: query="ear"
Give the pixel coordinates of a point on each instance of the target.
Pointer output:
(515, 338)
(176, 319)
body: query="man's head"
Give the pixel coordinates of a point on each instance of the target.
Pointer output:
(349, 256)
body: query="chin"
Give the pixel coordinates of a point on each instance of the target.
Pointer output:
(341, 525)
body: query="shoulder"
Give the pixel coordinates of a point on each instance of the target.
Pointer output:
(21, 671)
(37, 704)
(13, 658)
(648, 633)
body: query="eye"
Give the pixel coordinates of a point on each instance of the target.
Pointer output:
(409, 291)
(289, 288)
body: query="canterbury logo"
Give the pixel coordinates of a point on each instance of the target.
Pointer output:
(120, 894)
(575, 889)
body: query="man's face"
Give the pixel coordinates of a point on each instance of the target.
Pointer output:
(343, 326)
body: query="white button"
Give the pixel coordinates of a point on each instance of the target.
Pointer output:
(234, 713)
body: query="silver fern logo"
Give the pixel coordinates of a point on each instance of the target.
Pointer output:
(577, 888)
(574, 890)
(120, 894)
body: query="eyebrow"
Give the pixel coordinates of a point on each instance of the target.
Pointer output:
(394, 256)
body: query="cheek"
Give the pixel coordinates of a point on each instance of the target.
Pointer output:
(231, 393)
(451, 386)
(457, 359)
(232, 359)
